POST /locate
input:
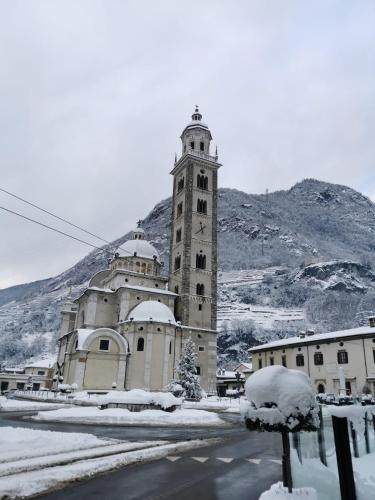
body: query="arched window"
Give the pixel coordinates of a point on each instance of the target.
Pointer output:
(170, 347)
(202, 206)
(201, 146)
(180, 184)
(137, 267)
(321, 389)
(141, 344)
(149, 269)
(200, 261)
(176, 289)
(177, 262)
(342, 357)
(144, 268)
(179, 209)
(202, 182)
(300, 360)
(200, 289)
(318, 358)
(192, 145)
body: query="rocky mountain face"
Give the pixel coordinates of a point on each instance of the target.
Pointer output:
(287, 260)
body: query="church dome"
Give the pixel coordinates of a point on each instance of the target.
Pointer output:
(151, 310)
(138, 248)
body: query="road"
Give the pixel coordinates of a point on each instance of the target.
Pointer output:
(218, 472)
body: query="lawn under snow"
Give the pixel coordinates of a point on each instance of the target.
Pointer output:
(117, 416)
(16, 405)
(228, 405)
(19, 442)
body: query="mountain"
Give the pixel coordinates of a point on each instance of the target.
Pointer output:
(300, 258)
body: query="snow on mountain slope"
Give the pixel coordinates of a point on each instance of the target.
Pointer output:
(268, 246)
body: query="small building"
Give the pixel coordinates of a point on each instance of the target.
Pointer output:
(321, 355)
(229, 383)
(245, 368)
(35, 376)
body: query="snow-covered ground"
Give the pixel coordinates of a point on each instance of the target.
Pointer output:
(278, 492)
(33, 461)
(8, 405)
(227, 405)
(117, 416)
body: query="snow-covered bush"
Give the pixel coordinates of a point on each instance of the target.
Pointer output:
(187, 371)
(278, 492)
(138, 396)
(175, 388)
(280, 399)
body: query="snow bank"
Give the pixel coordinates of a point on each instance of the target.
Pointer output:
(278, 492)
(116, 416)
(278, 396)
(19, 442)
(138, 396)
(15, 405)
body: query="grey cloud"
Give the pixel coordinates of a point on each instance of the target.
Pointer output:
(96, 93)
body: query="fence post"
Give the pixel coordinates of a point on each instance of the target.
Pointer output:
(321, 442)
(344, 459)
(297, 445)
(287, 469)
(355, 441)
(367, 441)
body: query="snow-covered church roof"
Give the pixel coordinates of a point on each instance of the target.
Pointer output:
(152, 310)
(141, 248)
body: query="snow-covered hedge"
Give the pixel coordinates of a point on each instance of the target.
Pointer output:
(138, 396)
(280, 399)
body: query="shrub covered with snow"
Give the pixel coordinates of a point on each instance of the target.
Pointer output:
(280, 399)
(137, 396)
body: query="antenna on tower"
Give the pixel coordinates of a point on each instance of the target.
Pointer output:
(216, 155)
(175, 158)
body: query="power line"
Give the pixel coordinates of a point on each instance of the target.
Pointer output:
(61, 219)
(53, 215)
(52, 229)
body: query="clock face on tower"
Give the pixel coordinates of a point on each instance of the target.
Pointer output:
(200, 228)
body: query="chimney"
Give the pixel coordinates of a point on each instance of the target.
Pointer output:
(371, 321)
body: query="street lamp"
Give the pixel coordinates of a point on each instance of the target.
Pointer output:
(238, 377)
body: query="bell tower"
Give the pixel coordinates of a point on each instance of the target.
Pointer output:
(193, 250)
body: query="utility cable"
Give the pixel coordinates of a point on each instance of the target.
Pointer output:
(53, 229)
(61, 219)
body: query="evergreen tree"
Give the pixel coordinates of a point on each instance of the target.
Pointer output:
(187, 371)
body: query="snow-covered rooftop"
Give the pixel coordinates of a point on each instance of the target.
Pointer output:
(320, 337)
(151, 310)
(46, 362)
(141, 248)
(248, 366)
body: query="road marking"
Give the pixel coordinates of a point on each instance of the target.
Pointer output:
(276, 461)
(200, 459)
(172, 459)
(226, 460)
(254, 460)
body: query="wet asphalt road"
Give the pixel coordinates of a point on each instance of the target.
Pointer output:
(234, 478)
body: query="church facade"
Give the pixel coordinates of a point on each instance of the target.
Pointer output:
(128, 328)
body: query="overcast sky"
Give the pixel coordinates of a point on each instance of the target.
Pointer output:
(94, 96)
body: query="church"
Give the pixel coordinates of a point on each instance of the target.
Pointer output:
(128, 328)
